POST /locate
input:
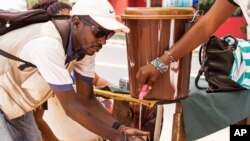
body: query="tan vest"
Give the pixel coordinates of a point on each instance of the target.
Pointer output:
(22, 91)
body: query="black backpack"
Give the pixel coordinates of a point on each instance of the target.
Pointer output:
(10, 20)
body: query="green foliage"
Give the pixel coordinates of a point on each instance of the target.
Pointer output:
(66, 1)
(205, 5)
(30, 3)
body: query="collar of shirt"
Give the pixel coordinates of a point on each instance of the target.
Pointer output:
(71, 54)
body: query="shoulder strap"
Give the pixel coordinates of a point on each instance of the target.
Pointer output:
(202, 63)
(10, 56)
(63, 35)
(197, 78)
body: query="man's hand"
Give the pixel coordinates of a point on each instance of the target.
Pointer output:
(133, 134)
(136, 138)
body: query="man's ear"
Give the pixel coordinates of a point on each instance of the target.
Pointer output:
(76, 21)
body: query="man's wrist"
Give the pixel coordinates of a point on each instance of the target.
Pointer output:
(116, 125)
(122, 128)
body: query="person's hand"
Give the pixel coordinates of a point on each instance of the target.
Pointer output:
(147, 74)
(135, 138)
(133, 134)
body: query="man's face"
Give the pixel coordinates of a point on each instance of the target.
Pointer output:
(89, 35)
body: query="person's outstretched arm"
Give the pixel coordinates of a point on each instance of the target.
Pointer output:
(205, 27)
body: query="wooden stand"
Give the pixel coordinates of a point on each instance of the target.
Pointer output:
(123, 113)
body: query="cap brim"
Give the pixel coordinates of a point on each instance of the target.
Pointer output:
(110, 24)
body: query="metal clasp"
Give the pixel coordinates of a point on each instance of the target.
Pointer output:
(197, 14)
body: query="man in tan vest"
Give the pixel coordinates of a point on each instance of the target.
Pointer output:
(50, 49)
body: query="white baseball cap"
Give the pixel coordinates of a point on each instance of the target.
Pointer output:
(101, 11)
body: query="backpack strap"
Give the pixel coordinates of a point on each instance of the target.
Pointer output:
(10, 56)
(197, 78)
(64, 35)
(201, 71)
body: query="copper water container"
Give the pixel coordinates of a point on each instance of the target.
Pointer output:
(152, 31)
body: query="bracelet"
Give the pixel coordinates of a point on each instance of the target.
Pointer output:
(116, 125)
(159, 65)
(171, 58)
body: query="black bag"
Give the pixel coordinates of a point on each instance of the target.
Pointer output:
(10, 20)
(216, 59)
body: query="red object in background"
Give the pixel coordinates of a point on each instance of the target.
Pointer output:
(120, 5)
(232, 26)
(137, 3)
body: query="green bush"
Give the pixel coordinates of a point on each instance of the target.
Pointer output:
(205, 5)
(30, 3)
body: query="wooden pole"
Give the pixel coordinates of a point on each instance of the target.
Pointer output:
(178, 132)
(158, 123)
